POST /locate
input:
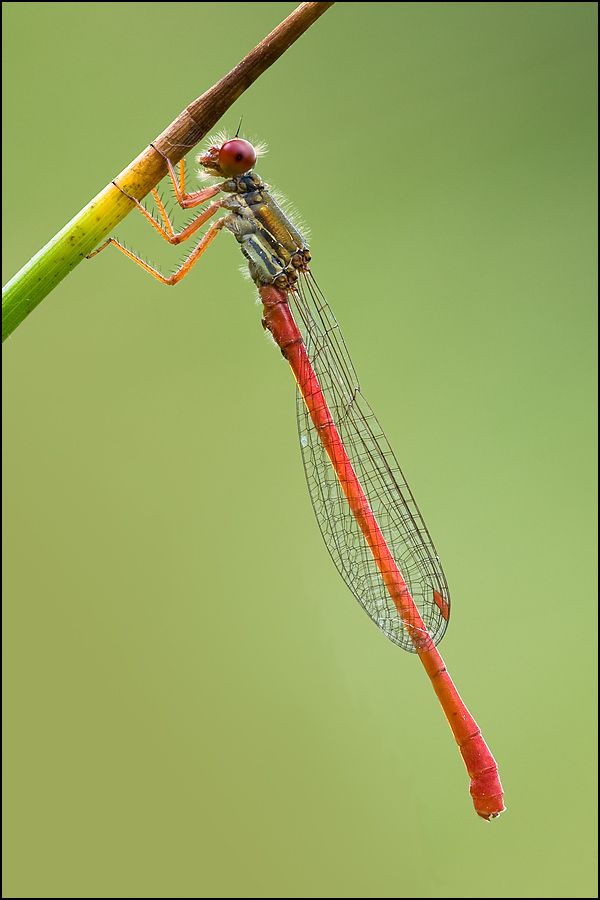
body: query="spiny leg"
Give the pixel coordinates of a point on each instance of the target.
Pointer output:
(169, 234)
(185, 267)
(187, 201)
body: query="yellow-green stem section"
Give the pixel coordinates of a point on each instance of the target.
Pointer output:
(78, 238)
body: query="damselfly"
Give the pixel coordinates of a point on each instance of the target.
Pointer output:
(367, 514)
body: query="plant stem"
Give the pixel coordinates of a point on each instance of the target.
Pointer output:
(85, 231)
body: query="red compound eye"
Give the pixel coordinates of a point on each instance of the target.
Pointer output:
(236, 157)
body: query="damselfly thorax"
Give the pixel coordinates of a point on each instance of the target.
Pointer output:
(275, 249)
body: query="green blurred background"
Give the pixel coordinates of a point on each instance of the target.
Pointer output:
(196, 705)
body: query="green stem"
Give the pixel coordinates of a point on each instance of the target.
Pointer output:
(88, 228)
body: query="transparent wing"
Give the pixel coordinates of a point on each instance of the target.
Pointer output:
(374, 463)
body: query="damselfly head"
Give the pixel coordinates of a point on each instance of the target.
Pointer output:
(228, 157)
(234, 157)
